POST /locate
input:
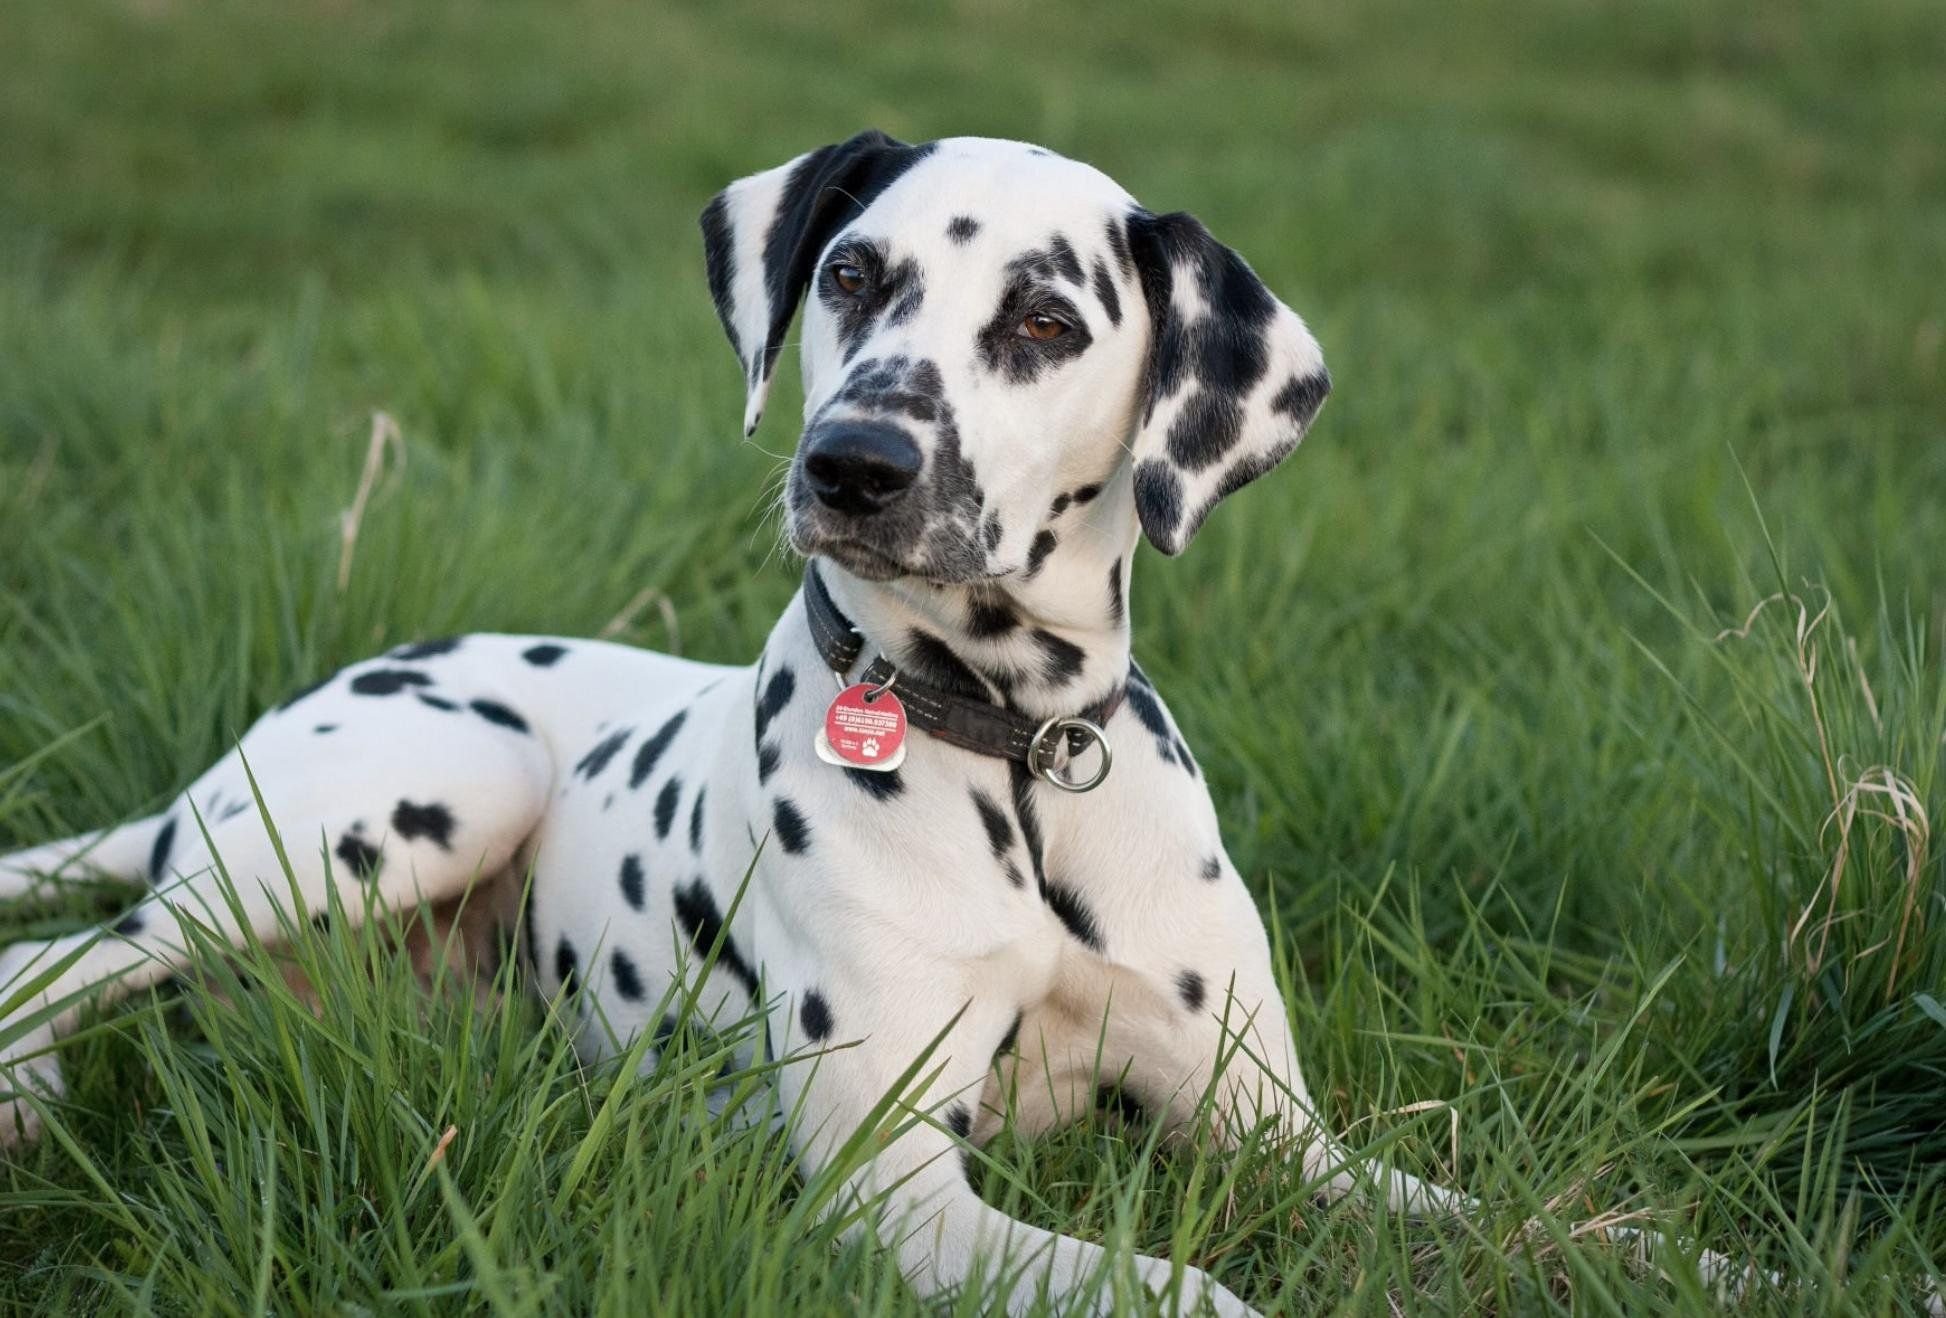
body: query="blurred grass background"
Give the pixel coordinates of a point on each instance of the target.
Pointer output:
(1637, 320)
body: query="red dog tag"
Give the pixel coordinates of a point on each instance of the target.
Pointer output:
(862, 730)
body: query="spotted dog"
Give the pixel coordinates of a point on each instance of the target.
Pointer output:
(1012, 372)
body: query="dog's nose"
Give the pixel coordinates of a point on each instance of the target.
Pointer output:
(859, 467)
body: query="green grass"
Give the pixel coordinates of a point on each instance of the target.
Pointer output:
(1636, 321)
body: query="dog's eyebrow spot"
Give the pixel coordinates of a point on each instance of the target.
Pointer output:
(1190, 985)
(961, 228)
(565, 964)
(1104, 286)
(793, 833)
(632, 881)
(543, 656)
(815, 1014)
(628, 982)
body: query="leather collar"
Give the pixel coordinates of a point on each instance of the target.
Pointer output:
(975, 725)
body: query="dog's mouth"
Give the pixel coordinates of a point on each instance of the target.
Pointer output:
(861, 560)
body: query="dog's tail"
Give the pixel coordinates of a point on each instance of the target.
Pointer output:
(128, 852)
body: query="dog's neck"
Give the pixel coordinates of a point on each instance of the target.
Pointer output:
(1051, 644)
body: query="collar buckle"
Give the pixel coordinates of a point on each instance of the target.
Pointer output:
(1046, 745)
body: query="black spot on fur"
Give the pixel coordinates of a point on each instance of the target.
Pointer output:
(304, 691)
(989, 618)
(666, 801)
(959, 1120)
(165, 842)
(1190, 985)
(1301, 397)
(545, 655)
(696, 821)
(440, 703)
(1060, 504)
(1118, 244)
(1142, 701)
(433, 822)
(1000, 833)
(602, 752)
(323, 728)
(129, 925)
(1025, 815)
(931, 660)
(768, 758)
(1104, 286)
(633, 880)
(815, 1015)
(1060, 252)
(961, 228)
(360, 857)
(628, 981)
(990, 532)
(651, 750)
(1159, 492)
(1037, 553)
(1212, 869)
(425, 649)
(1061, 659)
(566, 964)
(1072, 912)
(697, 913)
(1116, 608)
(1118, 1102)
(777, 694)
(496, 713)
(793, 833)
(387, 681)
(1087, 493)
(879, 784)
(1010, 1038)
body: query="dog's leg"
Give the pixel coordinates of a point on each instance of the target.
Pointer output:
(400, 824)
(925, 1208)
(118, 853)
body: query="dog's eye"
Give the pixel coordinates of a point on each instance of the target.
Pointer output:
(848, 277)
(1042, 328)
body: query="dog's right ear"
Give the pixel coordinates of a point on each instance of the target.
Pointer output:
(762, 236)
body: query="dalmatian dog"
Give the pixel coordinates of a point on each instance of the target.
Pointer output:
(1012, 372)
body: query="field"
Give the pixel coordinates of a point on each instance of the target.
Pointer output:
(1573, 699)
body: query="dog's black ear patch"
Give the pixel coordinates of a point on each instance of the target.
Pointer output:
(763, 235)
(1232, 383)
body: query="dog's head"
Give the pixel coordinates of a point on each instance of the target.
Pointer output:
(993, 333)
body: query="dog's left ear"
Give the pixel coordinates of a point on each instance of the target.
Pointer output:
(1233, 379)
(762, 236)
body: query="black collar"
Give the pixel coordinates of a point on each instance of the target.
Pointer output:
(975, 725)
